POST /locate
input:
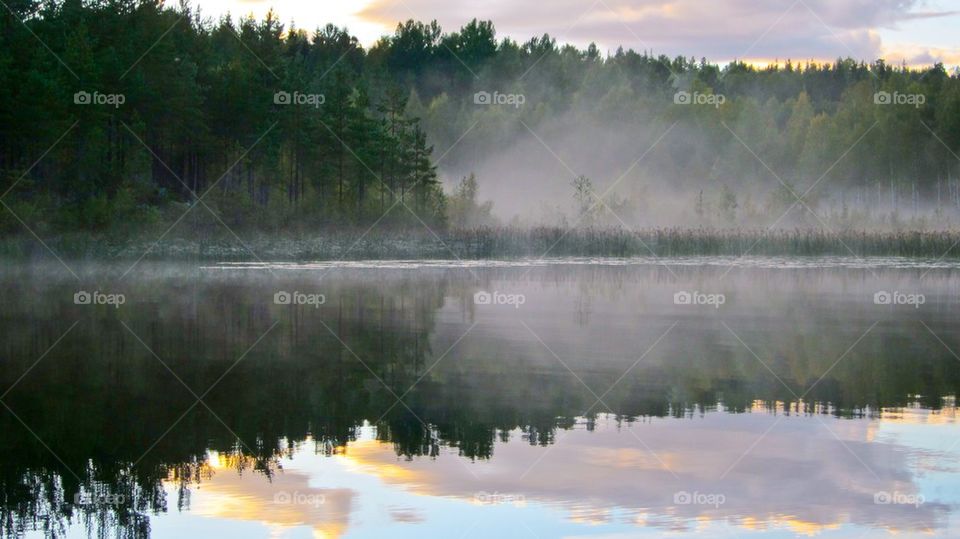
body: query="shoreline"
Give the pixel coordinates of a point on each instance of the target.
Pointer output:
(492, 243)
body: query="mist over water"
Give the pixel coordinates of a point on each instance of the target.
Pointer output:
(655, 174)
(556, 393)
(264, 281)
(686, 143)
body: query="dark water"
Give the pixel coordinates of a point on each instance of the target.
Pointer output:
(587, 402)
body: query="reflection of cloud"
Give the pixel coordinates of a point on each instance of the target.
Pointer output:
(726, 29)
(798, 476)
(915, 415)
(284, 501)
(798, 527)
(406, 514)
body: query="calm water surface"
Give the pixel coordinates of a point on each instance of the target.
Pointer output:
(586, 398)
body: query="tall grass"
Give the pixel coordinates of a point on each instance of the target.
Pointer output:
(550, 241)
(497, 242)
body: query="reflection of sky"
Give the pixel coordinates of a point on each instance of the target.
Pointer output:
(935, 476)
(797, 479)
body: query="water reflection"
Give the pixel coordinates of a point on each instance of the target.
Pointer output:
(598, 400)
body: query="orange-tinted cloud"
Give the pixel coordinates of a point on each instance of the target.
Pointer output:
(719, 30)
(794, 475)
(285, 501)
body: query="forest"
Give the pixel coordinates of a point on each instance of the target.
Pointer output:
(123, 115)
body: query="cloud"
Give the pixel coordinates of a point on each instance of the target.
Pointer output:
(920, 55)
(720, 30)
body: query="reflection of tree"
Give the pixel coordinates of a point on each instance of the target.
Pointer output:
(99, 400)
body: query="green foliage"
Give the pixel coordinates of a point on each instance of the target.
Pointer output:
(200, 117)
(727, 204)
(202, 113)
(584, 198)
(464, 208)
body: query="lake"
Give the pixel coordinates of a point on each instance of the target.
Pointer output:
(720, 397)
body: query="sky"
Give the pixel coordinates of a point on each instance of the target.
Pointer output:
(602, 483)
(919, 32)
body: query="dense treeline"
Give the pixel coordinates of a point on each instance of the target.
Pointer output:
(124, 112)
(875, 140)
(158, 108)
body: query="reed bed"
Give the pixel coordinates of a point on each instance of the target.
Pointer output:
(504, 242)
(669, 242)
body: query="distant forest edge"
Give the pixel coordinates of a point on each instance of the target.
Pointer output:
(128, 119)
